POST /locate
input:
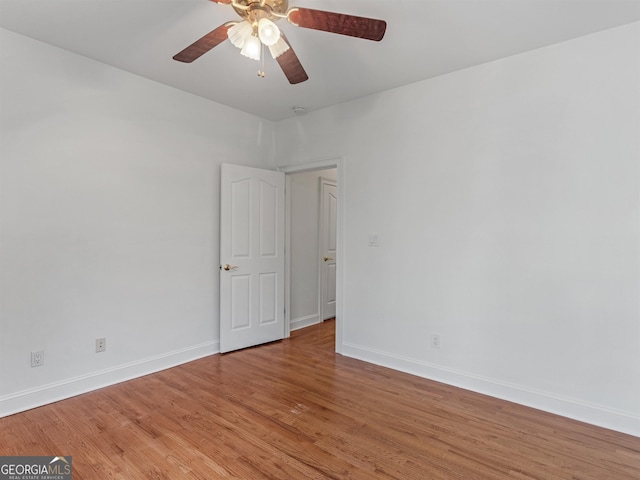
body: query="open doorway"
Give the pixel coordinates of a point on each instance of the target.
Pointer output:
(312, 234)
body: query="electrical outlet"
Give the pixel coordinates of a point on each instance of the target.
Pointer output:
(435, 340)
(37, 358)
(101, 345)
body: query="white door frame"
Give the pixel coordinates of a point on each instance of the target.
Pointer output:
(332, 162)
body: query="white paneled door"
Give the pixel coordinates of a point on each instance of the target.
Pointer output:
(328, 239)
(251, 257)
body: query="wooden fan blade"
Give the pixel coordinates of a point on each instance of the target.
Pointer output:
(291, 66)
(361, 27)
(204, 44)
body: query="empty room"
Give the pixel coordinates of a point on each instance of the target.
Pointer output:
(320, 239)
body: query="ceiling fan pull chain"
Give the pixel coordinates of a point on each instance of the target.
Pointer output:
(261, 71)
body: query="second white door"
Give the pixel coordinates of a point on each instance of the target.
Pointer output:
(328, 239)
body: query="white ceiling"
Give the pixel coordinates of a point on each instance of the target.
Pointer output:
(424, 38)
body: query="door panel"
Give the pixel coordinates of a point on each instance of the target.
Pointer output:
(240, 300)
(251, 257)
(268, 298)
(268, 219)
(241, 218)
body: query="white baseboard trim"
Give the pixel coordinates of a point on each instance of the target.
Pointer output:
(598, 415)
(303, 322)
(53, 392)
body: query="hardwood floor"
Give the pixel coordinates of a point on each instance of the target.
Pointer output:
(295, 410)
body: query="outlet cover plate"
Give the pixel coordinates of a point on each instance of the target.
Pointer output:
(37, 358)
(101, 345)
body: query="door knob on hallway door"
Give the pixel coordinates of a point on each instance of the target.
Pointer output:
(228, 267)
(326, 259)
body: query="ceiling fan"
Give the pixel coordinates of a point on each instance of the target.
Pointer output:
(257, 30)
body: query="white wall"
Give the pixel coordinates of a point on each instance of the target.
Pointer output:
(506, 200)
(505, 197)
(304, 249)
(109, 220)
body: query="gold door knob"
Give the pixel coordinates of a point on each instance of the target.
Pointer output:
(326, 259)
(228, 267)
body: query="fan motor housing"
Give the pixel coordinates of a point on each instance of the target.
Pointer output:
(264, 7)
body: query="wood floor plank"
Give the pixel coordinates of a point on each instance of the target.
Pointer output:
(296, 410)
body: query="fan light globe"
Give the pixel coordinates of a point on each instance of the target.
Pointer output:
(239, 33)
(251, 48)
(278, 48)
(268, 32)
